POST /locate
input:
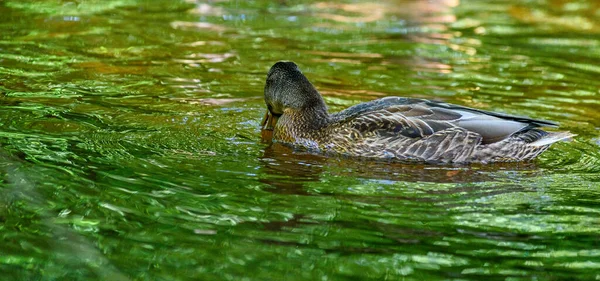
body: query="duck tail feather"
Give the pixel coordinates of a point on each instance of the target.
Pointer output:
(551, 138)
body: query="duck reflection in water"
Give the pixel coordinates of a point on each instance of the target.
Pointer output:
(289, 171)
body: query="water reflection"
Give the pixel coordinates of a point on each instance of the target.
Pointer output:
(289, 171)
(431, 17)
(363, 12)
(415, 11)
(131, 131)
(578, 16)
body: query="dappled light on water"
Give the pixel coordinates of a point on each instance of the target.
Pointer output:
(130, 141)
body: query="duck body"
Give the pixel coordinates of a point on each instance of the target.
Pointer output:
(397, 128)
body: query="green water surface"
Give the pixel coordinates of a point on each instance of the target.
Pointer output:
(130, 145)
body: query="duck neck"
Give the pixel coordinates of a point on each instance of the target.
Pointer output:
(306, 120)
(316, 116)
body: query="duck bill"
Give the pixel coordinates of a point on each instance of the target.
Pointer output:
(268, 124)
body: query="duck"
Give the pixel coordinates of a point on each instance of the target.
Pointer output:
(396, 128)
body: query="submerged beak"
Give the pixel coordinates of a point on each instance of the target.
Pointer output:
(267, 126)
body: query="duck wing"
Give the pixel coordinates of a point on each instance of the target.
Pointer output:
(419, 118)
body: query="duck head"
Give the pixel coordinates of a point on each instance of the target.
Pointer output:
(288, 91)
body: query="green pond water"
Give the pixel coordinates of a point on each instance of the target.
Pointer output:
(130, 142)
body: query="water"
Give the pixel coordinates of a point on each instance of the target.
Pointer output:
(130, 148)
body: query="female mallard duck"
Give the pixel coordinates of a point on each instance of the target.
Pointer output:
(397, 128)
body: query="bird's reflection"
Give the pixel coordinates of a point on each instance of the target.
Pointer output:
(288, 170)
